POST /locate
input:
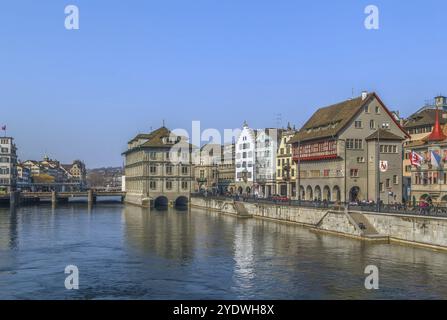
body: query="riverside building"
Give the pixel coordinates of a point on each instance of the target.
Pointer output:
(8, 165)
(158, 169)
(350, 151)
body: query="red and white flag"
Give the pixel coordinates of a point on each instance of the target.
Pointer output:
(416, 159)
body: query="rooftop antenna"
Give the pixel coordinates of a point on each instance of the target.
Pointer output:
(163, 122)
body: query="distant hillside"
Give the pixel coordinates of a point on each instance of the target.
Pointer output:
(105, 177)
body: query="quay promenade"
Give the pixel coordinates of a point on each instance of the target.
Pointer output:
(412, 227)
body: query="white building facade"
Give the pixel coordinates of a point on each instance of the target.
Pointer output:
(245, 160)
(265, 171)
(8, 165)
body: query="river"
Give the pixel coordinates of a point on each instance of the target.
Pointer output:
(127, 252)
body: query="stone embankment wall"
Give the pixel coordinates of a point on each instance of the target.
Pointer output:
(417, 230)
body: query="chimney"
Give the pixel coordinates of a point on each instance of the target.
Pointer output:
(364, 95)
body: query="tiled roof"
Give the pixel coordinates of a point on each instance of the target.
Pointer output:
(384, 135)
(329, 121)
(156, 139)
(424, 118)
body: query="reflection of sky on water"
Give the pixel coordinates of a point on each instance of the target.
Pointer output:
(130, 252)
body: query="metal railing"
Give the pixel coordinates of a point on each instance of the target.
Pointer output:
(429, 211)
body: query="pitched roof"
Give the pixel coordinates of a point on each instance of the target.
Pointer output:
(424, 118)
(329, 121)
(384, 135)
(157, 139)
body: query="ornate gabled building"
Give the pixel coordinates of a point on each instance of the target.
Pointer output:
(158, 169)
(429, 177)
(339, 151)
(419, 126)
(245, 160)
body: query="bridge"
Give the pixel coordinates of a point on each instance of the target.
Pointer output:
(15, 198)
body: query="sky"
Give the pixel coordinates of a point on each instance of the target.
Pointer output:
(82, 94)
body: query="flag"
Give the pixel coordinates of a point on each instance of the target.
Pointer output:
(4, 128)
(435, 159)
(416, 159)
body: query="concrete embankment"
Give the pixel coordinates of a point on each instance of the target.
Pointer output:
(430, 232)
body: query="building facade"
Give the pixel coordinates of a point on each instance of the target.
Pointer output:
(8, 165)
(226, 169)
(158, 169)
(206, 170)
(245, 160)
(429, 177)
(285, 170)
(265, 163)
(350, 152)
(419, 126)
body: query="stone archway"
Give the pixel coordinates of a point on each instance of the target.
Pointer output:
(354, 194)
(302, 193)
(309, 193)
(318, 193)
(181, 202)
(161, 202)
(336, 194)
(327, 193)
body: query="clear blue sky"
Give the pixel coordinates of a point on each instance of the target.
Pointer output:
(84, 94)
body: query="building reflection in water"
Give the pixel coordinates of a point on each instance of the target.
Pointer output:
(244, 268)
(167, 233)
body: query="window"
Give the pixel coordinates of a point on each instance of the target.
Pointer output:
(388, 183)
(5, 150)
(354, 173)
(395, 179)
(244, 155)
(153, 185)
(279, 173)
(169, 170)
(367, 108)
(358, 124)
(153, 155)
(381, 187)
(169, 185)
(281, 151)
(377, 109)
(167, 155)
(372, 124)
(388, 148)
(184, 170)
(326, 172)
(184, 185)
(293, 172)
(153, 169)
(360, 160)
(356, 144)
(279, 162)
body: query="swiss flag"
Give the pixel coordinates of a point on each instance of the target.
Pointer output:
(416, 159)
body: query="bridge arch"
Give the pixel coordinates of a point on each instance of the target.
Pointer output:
(181, 202)
(161, 202)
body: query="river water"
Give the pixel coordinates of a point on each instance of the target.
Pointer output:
(127, 252)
